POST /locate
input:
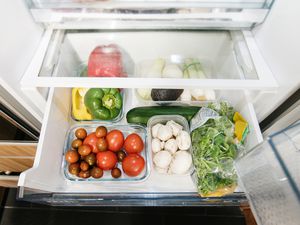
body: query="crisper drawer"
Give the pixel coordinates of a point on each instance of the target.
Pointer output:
(46, 183)
(230, 59)
(155, 14)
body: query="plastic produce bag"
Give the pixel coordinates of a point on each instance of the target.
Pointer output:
(214, 149)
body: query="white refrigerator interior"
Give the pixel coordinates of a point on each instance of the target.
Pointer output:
(240, 64)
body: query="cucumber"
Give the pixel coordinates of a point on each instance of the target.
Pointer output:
(141, 115)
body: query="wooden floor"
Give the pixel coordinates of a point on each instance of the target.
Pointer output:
(249, 218)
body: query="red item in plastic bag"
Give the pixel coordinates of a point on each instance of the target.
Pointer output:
(105, 61)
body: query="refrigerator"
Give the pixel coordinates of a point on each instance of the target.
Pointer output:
(250, 51)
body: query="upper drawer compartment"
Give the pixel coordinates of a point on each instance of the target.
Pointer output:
(156, 59)
(224, 14)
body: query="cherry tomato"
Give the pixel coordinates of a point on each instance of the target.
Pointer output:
(116, 173)
(96, 172)
(91, 140)
(84, 150)
(90, 159)
(106, 160)
(101, 131)
(102, 144)
(133, 143)
(115, 140)
(76, 143)
(121, 155)
(80, 133)
(74, 168)
(84, 166)
(133, 164)
(72, 156)
(84, 174)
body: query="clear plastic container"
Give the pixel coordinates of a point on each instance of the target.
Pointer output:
(163, 119)
(145, 68)
(114, 120)
(176, 102)
(126, 130)
(154, 69)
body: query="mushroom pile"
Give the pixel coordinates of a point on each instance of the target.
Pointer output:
(170, 146)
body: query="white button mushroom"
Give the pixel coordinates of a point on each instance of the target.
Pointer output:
(171, 146)
(164, 132)
(154, 130)
(156, 145)
(162, 159)
(160, 170)
(176, 128)
(181, 162)
(183, 140)
(162, 144)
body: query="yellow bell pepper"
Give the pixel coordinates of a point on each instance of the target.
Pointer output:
(79, 110)
(240, 126)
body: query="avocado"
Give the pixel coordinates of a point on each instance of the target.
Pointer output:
(165, 94)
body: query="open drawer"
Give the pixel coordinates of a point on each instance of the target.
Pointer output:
(231, 59)
(155, 14)
(45, 182)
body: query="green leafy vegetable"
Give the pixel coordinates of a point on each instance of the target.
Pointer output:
(223, 108)
(213, 153)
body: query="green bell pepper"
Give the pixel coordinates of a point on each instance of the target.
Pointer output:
(103, 103)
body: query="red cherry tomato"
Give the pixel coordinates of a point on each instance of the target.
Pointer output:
(115, 140)
(106, 160)
(91, 140)
(133, 164)
(133, 143)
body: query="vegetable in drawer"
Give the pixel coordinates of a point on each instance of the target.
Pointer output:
(103, 104)
(215, 145)
(96, 103)
(141, 115)
(105, 61)
(173, 156)
(79, 110)
(88, 158)
(175, 67)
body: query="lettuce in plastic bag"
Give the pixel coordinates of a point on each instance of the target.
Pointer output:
(214, 151)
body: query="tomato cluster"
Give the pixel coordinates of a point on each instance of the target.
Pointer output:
(93, 153)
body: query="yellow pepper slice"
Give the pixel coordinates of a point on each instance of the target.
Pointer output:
(220, 192)
(79, 110)
(240, 126)
(239, 129)
(237, 116)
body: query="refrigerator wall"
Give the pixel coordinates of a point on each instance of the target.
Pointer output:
(278, 40)
(18, 41)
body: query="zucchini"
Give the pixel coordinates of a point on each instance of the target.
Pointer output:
(141, 115)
